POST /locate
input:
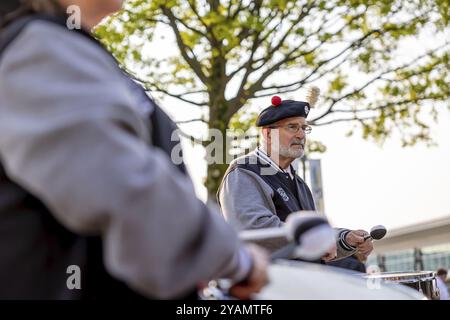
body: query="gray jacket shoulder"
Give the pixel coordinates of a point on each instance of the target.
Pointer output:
(246, 199)
(37, 56)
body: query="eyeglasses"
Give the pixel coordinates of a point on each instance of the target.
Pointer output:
(294, 128)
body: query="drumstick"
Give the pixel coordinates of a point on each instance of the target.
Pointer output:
(376, 233)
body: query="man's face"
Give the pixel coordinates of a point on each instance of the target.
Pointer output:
(290, 144)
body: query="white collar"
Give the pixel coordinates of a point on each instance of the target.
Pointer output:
(288, 170)
(260, 153)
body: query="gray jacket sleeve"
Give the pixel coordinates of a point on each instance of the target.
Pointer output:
(246, 203)
(68, 134)
(343, 249)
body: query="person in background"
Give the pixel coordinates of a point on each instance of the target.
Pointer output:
(87, 185)
(441, 277)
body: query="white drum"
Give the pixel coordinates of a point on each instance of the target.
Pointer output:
(294, 280)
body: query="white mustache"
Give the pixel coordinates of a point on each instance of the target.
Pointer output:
(302, 142)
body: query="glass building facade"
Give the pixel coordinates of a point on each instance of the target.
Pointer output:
(429, 259)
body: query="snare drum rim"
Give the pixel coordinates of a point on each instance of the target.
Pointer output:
(404, 277)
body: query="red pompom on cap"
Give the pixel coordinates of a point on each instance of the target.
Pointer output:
(276, 101)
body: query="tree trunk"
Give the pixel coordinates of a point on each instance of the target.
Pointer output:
(213, 179)
(217, 150)
(218, 121)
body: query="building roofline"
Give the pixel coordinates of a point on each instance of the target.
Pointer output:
(420, 226)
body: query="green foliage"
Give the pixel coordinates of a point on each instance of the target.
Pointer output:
(315, 146)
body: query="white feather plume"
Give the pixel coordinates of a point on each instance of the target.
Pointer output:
(312, 96)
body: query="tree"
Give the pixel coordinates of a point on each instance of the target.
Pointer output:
(231, 51)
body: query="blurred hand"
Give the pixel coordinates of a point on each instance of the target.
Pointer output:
(258, 275)
(355, 238)
(331, 254)
(365, 248)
